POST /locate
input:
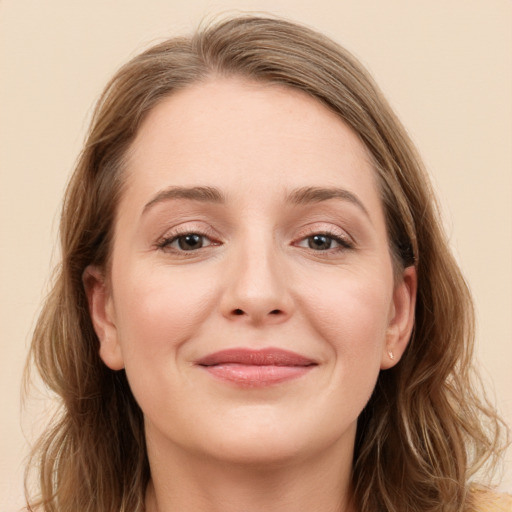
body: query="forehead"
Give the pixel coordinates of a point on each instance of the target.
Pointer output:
(228, 131)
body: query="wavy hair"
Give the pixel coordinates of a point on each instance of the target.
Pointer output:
(425, 429)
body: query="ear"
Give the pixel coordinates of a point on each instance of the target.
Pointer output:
(101, 309)
(401, 320)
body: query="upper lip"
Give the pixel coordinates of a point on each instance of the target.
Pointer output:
(262, 357)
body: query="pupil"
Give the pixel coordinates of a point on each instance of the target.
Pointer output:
(189, 242)
(319, 242)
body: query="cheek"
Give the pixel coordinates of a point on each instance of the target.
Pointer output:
(158, 309)
(350, 313)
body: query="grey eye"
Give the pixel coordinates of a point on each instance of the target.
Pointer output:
(324, 242)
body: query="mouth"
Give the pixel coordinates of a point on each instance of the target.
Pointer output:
(256, 368)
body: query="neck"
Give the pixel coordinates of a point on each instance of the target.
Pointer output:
(181, 482)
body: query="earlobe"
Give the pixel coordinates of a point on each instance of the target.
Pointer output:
(102, 316)
(402, 318)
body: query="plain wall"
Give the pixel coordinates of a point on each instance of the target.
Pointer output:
(445, 66)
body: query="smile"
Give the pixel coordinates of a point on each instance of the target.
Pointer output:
(256, 368)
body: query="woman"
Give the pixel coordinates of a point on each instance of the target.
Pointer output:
(257, 308)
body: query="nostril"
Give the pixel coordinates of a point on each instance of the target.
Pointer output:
(275, 312)
(238, 312)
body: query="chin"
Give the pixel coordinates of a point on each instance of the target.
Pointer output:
(268, 443)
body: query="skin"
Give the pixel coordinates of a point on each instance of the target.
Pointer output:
(258, 281)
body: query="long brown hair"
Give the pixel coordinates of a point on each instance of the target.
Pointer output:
(425, 429)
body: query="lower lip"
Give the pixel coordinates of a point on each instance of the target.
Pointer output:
(253, 376)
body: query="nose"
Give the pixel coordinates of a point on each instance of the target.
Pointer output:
(257, 290)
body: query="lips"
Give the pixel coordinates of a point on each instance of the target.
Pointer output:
(255, 368)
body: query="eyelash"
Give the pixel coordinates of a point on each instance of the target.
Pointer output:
(343, 242)
(166, 243)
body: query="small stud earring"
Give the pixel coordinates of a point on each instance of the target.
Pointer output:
(391, 355)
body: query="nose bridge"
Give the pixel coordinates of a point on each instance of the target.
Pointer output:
(256, 285)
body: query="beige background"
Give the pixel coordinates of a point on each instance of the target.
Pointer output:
(445, 65)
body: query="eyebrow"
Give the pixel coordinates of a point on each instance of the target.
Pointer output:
(306, 195)
(300, 196)
(202, 194)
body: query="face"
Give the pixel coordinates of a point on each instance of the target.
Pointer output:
(251, 297)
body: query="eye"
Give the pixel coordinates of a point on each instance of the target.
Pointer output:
(324, 242)
(186, 242)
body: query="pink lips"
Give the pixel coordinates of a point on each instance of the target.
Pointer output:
(256, 368)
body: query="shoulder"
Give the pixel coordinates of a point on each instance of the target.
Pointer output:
(485, 500)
